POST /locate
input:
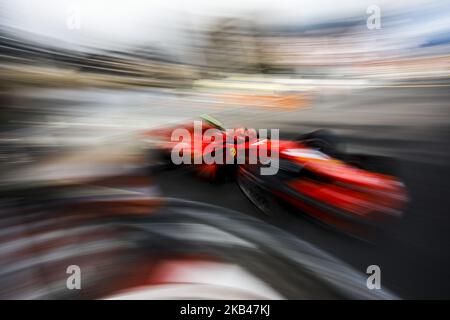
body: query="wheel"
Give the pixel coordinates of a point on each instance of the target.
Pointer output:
(260, 197)
(159, 160)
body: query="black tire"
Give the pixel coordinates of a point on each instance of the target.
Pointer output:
(374, 163)
(159, 160)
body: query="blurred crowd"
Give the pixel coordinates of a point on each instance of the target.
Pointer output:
(409, 44)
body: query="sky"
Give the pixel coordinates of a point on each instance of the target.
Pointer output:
(135, 22)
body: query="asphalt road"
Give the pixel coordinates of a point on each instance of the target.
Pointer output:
(412, 125)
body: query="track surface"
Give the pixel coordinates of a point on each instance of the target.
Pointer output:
(412, 125)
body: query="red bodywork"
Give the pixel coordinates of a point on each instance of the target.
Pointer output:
(333, 191)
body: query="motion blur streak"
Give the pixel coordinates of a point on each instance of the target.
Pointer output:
(90, 91)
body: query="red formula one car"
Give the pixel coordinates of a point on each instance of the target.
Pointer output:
(312, 175)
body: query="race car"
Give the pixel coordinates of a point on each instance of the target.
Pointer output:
(353, 193)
